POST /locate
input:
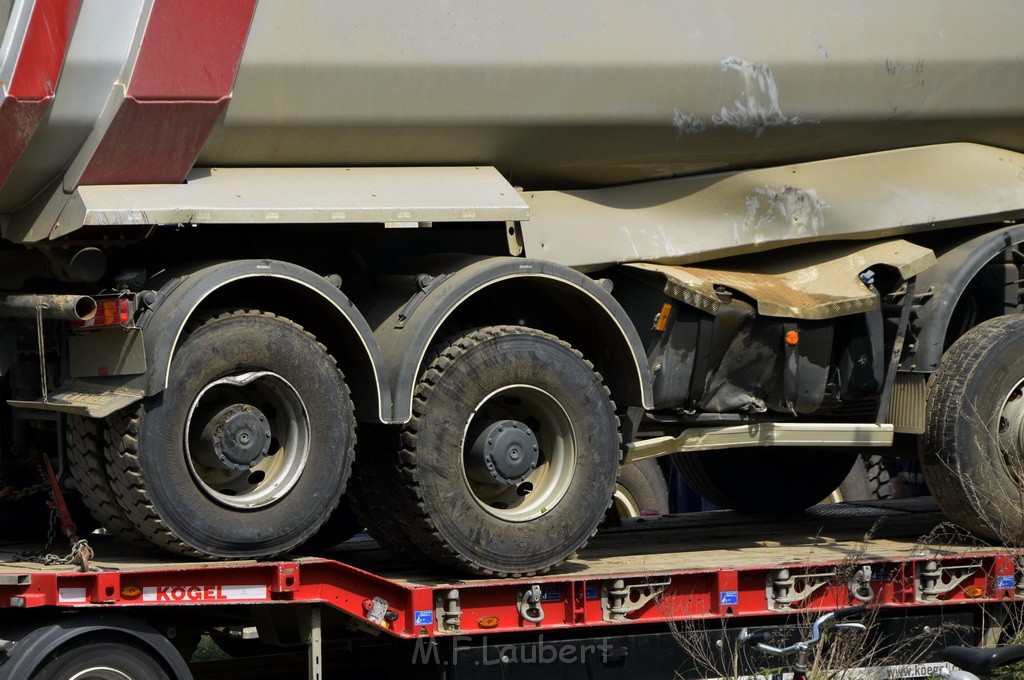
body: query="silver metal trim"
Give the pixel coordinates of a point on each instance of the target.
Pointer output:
(762, 434)
(414, 197)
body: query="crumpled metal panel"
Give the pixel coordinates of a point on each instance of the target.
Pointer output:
(694, 219)
(812, 283)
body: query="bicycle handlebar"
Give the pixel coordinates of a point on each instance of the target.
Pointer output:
(850, 611)
(827, 620)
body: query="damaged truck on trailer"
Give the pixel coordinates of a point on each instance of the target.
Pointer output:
(458, 265)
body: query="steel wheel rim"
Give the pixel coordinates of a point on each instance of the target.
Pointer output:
(268, 479)
(552, 478)
(1009, 427)
(625, 503)
(100, 673)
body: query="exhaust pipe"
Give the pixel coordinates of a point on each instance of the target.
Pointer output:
(63, 307)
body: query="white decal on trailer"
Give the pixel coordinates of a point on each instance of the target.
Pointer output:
(195, 593)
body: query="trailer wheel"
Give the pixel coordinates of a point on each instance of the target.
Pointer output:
(511, 456)
(973, 452)
(765, 480)
(92, 657)
(246, 452)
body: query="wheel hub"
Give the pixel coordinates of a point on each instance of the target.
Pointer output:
(240, 436)
(505, 451)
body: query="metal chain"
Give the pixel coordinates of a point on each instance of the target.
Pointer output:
(81, 552)
(51, 531)
(9, 493)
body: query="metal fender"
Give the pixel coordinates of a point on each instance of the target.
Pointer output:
(164, 323)
(946, 282)
(406, 326)
(37, 643)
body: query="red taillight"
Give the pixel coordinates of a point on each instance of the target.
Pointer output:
(109, 312)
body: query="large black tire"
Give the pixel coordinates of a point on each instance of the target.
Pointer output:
(763, 479)
(342, 525)
(640, 488)
(84, 440)
(93, 656)
(880, 473)
(973, 446)
(508, 397)
(374, 484)
(246, 452)
(871, 478)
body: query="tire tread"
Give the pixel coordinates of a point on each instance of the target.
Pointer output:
(122, 457)
(410, 507)
(85, 444)
(949, 392)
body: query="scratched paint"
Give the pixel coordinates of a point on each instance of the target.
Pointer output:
(757, 107)
(688, 124)
(629, 235)
(786, 213)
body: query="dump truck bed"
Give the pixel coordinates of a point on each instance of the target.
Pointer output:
(553, 95)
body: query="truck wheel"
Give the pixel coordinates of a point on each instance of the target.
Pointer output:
(85, 459)
(641, 487)
(511, 456)
(341, 526)
(91, 657)
(765, 480)
(879, 472)
(246, 452)
(373, 487)
(870, 479)
(973, 453)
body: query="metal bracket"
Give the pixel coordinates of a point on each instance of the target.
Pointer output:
(897, 352)
(620, 599)
(859, 584)
(312, 635)
(42, 350)
(376, 610)
(424, 284)
(514, 234)
(784, 589)
(935, 580)
(448, 611)
(528, 601)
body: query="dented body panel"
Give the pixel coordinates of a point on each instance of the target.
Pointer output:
(693, 219)
(819, 283)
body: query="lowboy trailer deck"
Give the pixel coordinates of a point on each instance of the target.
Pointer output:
(650, 583)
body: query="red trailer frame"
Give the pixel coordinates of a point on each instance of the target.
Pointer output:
(830, 564)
